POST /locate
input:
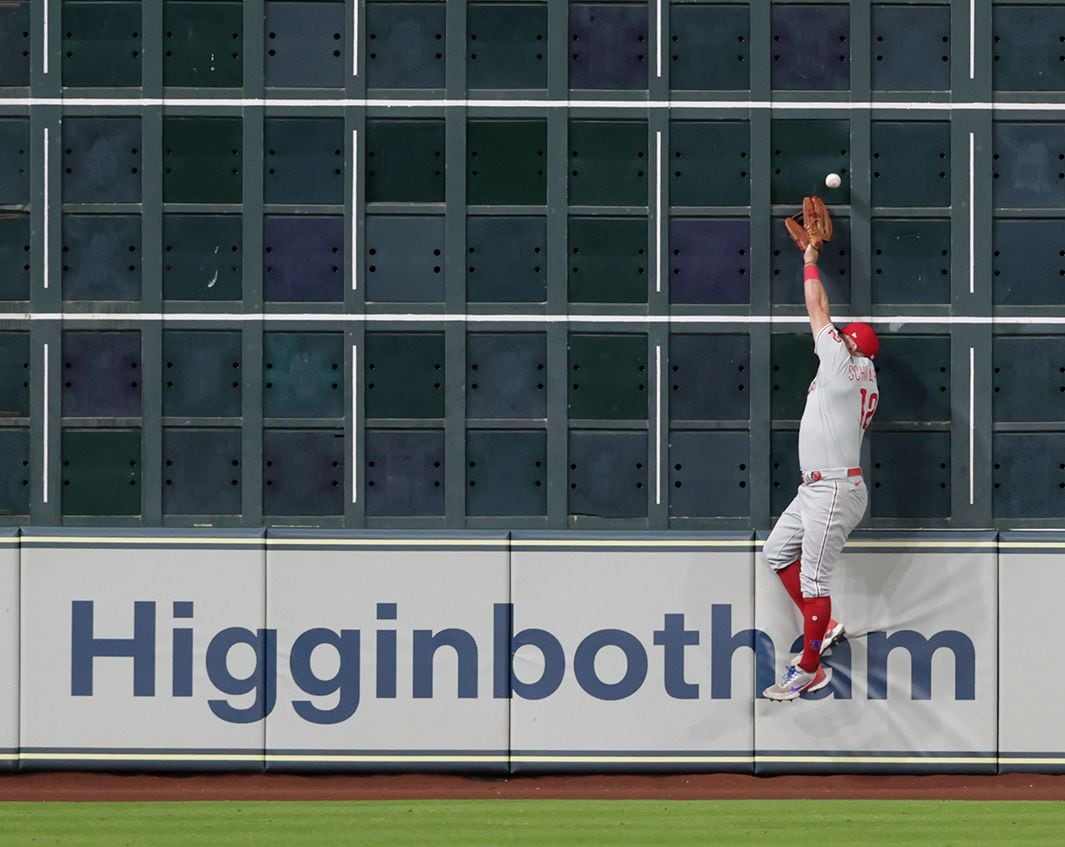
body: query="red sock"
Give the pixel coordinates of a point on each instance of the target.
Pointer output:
(789, 576)
(815, 613)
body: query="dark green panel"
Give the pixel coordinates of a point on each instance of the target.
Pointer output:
(202, 257)
(709, 163)
(709, 474)
(15, 257)
(404, 374)
(202, 160)
(405, 258)
(506, 45)
(709, 47)
(506, 375)
(1029, 42)
(404, 161)
(102, 44)
(911, 261)
(15, 42)
(608, 377)
(201, 373)
(201, 471)
(506, 260)
(608, 260)
(793, 366)
(14, 374)
(899, 458)
(506, 162)
(14, 161)
(303, 374)
(608, 163)
(405, 472)
(803, 152)
(303, 472)
(786, 265)
(1029, 262)
(14, 471)
(911, 47)
(913, 375)
(1029, 378)
(204, 44)
(608, 473)
(911, 163)
(1028, 165)
(101, 472)
(784, 473)
(1028, 474)
(304, 160)
(709, 377)
(101, 257)
(406, 45)
(506, 472)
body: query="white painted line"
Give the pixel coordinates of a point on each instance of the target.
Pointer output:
(44, 42)
(972, 197)
(658, 38)
(355, 41)
(658, 211)
(355, 423)
(892, 323)
(972, 39)
(658, 424)
(204, 103)
(355, 210)
(44, 223)
(44, 428)
(972, 423)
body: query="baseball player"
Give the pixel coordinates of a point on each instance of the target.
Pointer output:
(808, 539)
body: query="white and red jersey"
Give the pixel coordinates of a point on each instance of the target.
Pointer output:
(840, 403)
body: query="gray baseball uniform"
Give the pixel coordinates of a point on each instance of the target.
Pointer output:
(832, 498)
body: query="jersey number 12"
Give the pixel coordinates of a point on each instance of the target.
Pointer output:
(869, 402)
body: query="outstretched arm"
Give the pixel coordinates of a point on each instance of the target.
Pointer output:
(816, 298)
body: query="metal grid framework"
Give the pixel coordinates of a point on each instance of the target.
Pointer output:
(949, 137)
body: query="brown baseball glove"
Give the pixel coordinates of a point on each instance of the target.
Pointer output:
(816, 225)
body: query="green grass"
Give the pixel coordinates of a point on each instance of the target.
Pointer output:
(490, 823)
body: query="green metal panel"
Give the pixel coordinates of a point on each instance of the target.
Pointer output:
(101, 257)
(202, 160)
(911, 47)
(506, 162)
(407, 47)
(506, 259)
(202, 373)
(506, 375)
(204, 44)
(202, 257)
(1028, 378)
(911, 163)
(709, 47)
(709, 163)
(201, 471)
(1028, 262)
(303, 374)
(15, 43)
(1028, 475)
(911, 261)
(913, 375)
(14, 161)
(608, 475)
(101, 472)
(506, 45)
(793, 366)
(14, 471)
(506, 472)
(1027, 47)
(102, 44)
(405, 258)
(404, 374)
(15, 256)
(803, 152)
(709, 474)
(404, 161)
(608, 377)
(14, 374)
(898, 459)
(304, 160)
(608, 163)
(608, 260)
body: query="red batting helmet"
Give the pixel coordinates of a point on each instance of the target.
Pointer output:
(864, 336)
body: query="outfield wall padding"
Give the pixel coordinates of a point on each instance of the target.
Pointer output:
(522, 652)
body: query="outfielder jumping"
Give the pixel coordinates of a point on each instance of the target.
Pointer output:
(807, 541)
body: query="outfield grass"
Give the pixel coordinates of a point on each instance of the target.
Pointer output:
(489, 823)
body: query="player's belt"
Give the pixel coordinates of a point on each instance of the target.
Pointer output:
(831, 473)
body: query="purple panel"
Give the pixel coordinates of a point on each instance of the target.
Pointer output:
(709, 261)
(405, 472)
(811, 48)
(101, 374)
(608, 46)
(303, 259)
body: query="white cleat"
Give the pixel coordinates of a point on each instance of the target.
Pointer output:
(796, 682)
(833, 635)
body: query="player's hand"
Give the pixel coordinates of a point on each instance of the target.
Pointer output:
(810, 255)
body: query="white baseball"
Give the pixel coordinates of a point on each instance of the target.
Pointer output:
(833, 181)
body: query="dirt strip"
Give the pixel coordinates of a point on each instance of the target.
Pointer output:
(112, 787)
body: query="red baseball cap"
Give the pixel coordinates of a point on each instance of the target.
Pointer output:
(863, 335)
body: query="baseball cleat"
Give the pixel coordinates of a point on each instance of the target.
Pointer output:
(833, 635)
(796, 681)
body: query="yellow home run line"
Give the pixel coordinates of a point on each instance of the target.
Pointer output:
(630, 760)
(967, 545)
(308, 542)
(622, 542)
(415, 759)
(1033, 761)
(879, 760)
(140, 757)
